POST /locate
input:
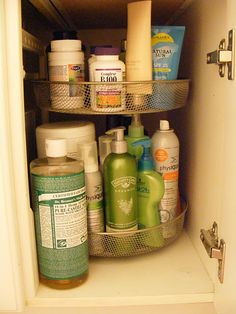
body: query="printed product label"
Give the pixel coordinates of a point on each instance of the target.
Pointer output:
(61, 225)
(123, 213)
(95, 208)
(167, 163)
(163, 50)
(73, 73)
(109, 96)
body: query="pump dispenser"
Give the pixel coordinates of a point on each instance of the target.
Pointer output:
(120, 182)
(150, 192)
(135, 133)
(118, 144)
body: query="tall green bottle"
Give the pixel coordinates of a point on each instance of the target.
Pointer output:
(120, 183)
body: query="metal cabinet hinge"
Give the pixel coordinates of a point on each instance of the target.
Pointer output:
(215, 248)
(224, 56)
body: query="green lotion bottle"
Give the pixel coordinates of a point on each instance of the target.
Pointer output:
(120, 183)
(150, 192)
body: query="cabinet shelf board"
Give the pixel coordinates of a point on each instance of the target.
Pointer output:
(172, 275)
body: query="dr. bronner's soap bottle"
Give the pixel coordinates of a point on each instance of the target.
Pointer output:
(59, 205)
(120, 182)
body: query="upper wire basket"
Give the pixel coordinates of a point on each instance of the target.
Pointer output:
(136, 97)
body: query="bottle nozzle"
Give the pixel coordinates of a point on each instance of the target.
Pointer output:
(164, 125)
(136, 128)
(118, 145)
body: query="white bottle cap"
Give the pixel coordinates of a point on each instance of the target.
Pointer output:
(88, 153)
(66, 45)
(55, 147)
(164, 125)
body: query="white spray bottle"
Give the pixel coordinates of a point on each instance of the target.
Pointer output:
(165, 152)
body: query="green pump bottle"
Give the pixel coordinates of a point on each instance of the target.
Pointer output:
(120, 184)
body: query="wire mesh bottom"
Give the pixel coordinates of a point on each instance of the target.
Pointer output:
(135, 97)
(138, 242)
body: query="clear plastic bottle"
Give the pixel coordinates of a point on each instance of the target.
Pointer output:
(59, 205)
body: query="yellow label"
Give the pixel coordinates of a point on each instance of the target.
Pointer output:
(162, 38)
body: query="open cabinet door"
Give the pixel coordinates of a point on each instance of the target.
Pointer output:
(208, 133)
(225, 293)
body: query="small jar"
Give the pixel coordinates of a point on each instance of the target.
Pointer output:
(66, 64)
(106, 69)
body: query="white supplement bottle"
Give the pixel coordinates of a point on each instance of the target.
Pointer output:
(66, 64)
(106, 69)
(59, 206)
(165, 151)
(94, 189)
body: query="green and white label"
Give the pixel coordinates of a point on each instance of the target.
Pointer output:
(61, 225)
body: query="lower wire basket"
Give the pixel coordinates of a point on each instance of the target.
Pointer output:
(131, 243)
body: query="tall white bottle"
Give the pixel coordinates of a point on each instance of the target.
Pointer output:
(165, 151)
(94, 189)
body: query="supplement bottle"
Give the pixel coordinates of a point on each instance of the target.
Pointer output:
(66, 64)
(59, 205)
(165, 151)
(108, 70)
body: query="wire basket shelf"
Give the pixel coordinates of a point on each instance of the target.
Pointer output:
(133, 97)
(131, 243)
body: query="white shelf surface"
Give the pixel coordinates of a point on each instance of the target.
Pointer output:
(173, 275)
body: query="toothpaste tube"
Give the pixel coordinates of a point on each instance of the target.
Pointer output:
(166, 50)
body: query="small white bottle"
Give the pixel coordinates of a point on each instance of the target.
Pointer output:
(107, 68)
(94, 189)
(66, 64)
(165, 151)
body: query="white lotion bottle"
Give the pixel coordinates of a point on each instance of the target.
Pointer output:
(165, 152)
(139, 49)
(94, 186)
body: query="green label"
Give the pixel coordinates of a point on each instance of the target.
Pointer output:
(123, 213)
(61, 225)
